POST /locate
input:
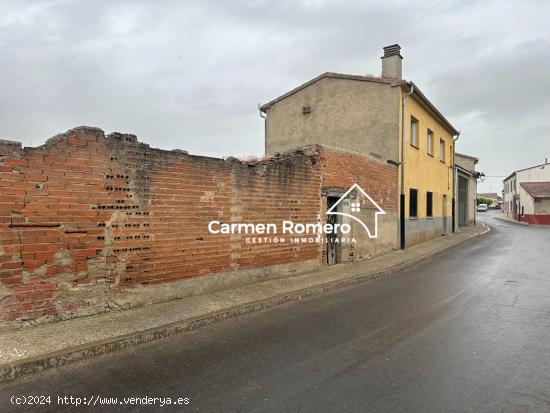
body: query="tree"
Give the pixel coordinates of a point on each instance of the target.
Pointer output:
(487, 201)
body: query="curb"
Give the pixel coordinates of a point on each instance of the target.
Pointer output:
(14, 370)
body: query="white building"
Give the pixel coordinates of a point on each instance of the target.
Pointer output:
(527, 202)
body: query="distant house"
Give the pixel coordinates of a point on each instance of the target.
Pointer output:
(526, 194)
(466, 186)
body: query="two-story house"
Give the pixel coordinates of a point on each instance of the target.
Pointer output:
(385, 118)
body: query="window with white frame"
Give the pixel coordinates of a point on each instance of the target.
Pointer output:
(430, 143)
(414, 132)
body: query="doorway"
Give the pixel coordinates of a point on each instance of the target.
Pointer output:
(333, 248)
(444, 214)
(462, 201)
(515, 206)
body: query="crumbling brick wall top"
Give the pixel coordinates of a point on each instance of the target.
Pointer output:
(86, 217)
(88, 220)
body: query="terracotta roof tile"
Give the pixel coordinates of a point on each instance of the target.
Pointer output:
(537, 189)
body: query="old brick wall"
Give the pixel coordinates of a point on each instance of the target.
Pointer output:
(343, 169)
(87, 218)
(90, 222)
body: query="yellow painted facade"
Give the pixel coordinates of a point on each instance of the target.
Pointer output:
(424, 172)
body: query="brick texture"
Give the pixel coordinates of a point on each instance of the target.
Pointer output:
(87, 212)
(342, 170)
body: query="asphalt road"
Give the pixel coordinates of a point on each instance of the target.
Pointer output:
(468, 330)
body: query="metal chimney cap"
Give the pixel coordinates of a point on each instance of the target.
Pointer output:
(392, 50)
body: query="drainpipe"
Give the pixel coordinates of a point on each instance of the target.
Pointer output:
(403, 147)
(453, 206)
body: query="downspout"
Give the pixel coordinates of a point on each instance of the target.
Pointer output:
(453, 206)
(403, 147)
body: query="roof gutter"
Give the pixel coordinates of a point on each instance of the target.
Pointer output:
(430, 106)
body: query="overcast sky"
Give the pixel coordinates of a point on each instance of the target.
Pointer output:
(189, 75)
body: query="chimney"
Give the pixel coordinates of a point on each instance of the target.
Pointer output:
(391, 62)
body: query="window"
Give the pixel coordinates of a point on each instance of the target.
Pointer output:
(429, 204)
(442, 150)
(414, 132)
(430, 143)
(413, 203)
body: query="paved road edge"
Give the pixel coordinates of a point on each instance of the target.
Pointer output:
(23, 367)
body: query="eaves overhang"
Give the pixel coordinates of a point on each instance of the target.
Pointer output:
(431, 107)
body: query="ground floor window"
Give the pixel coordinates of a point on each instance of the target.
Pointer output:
(429, 204)
(413, 203)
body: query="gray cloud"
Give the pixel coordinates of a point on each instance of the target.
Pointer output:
(190, 74)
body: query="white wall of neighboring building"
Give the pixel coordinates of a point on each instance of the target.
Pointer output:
(539, 173)
(512, 187)
(527, 203)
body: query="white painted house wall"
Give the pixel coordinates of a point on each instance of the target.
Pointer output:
(508, 196)
(539, 173)
(527, 203)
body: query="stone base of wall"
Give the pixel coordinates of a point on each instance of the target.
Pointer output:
(424, 229)
(107, 298)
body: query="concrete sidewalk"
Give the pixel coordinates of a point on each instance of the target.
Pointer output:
(33, 349)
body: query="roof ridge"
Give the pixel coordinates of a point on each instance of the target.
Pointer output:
(391, 82)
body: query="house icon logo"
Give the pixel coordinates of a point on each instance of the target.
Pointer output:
(355, 193)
